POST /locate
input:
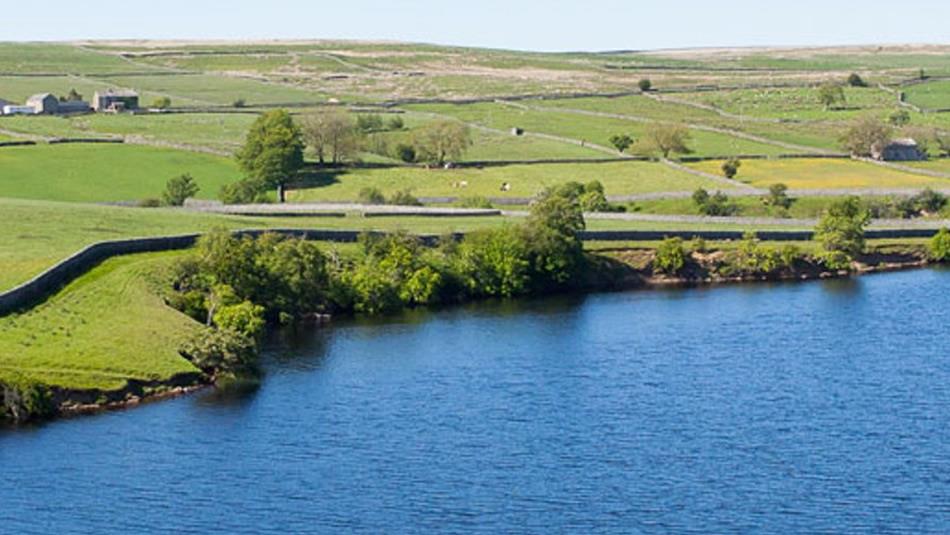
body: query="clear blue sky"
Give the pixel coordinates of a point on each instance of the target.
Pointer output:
(519, 24)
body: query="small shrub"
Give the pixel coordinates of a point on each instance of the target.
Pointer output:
(670, 256)
(855, 80)
(716, 205)
(404, 198)
(149, 203)
(369, 123)
(405, 153)
(645, 85)
(179, 189)
(244, 191)
(25, 402)
(473, 202)
(940, 246)
(899, 118)
(239, 103)
(929, 201)
(371, 195)
(222, 353)
(698, 244)
(396, 123)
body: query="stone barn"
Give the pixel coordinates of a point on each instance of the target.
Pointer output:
(899, 150)
(115, 100)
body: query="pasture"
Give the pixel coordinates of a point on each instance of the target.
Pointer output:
(823, 174)
(105, 172)
(931, 95)
(619, 178)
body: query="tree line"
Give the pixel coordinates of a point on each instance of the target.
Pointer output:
(236, 286)
(273, 153)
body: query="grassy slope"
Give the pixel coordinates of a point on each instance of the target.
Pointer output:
(101, 330)
(933, 95)
(795, 104)
(526, 180)
(820, 174)
(596, 130)
(93, 173)
(218, 90)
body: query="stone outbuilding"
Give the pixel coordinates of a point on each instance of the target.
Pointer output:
(899, 150)
(44, 103)
(115, 100)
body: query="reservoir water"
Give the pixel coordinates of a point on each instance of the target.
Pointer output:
(815, 407)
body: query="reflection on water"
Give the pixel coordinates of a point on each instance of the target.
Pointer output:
(818, 407)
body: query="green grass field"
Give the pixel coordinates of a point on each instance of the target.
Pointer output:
(526, 180)
(796, 103)
(941, 165)
(103, 329)
(932, 95)
(821, 174)
(96, 173)
(596, 130)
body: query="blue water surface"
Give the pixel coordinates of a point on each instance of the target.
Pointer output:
(815, 407)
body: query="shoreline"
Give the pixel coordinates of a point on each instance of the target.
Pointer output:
(71, 403)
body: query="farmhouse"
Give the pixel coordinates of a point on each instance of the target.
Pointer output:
(43, 103)
(899, 150)
(115, 100)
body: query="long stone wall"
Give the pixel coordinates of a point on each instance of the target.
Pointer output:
(52, 280)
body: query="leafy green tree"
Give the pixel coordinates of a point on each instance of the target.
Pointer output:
(716, 205)
(496, 263)
(667, 139)
(730, 167)
(645, 85)
(332, 135)
(831, 95)
(840, 232)
(778, 197)
(670, 256)
(179, 189)
(621, 142)
(441, 140)
(940, 246)
(73, 96)
(273, 151)
(866, 135)
(552, 231)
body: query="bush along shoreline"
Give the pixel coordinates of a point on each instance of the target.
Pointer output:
(238, 287)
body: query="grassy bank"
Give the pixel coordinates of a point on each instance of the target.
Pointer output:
(105, 328)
